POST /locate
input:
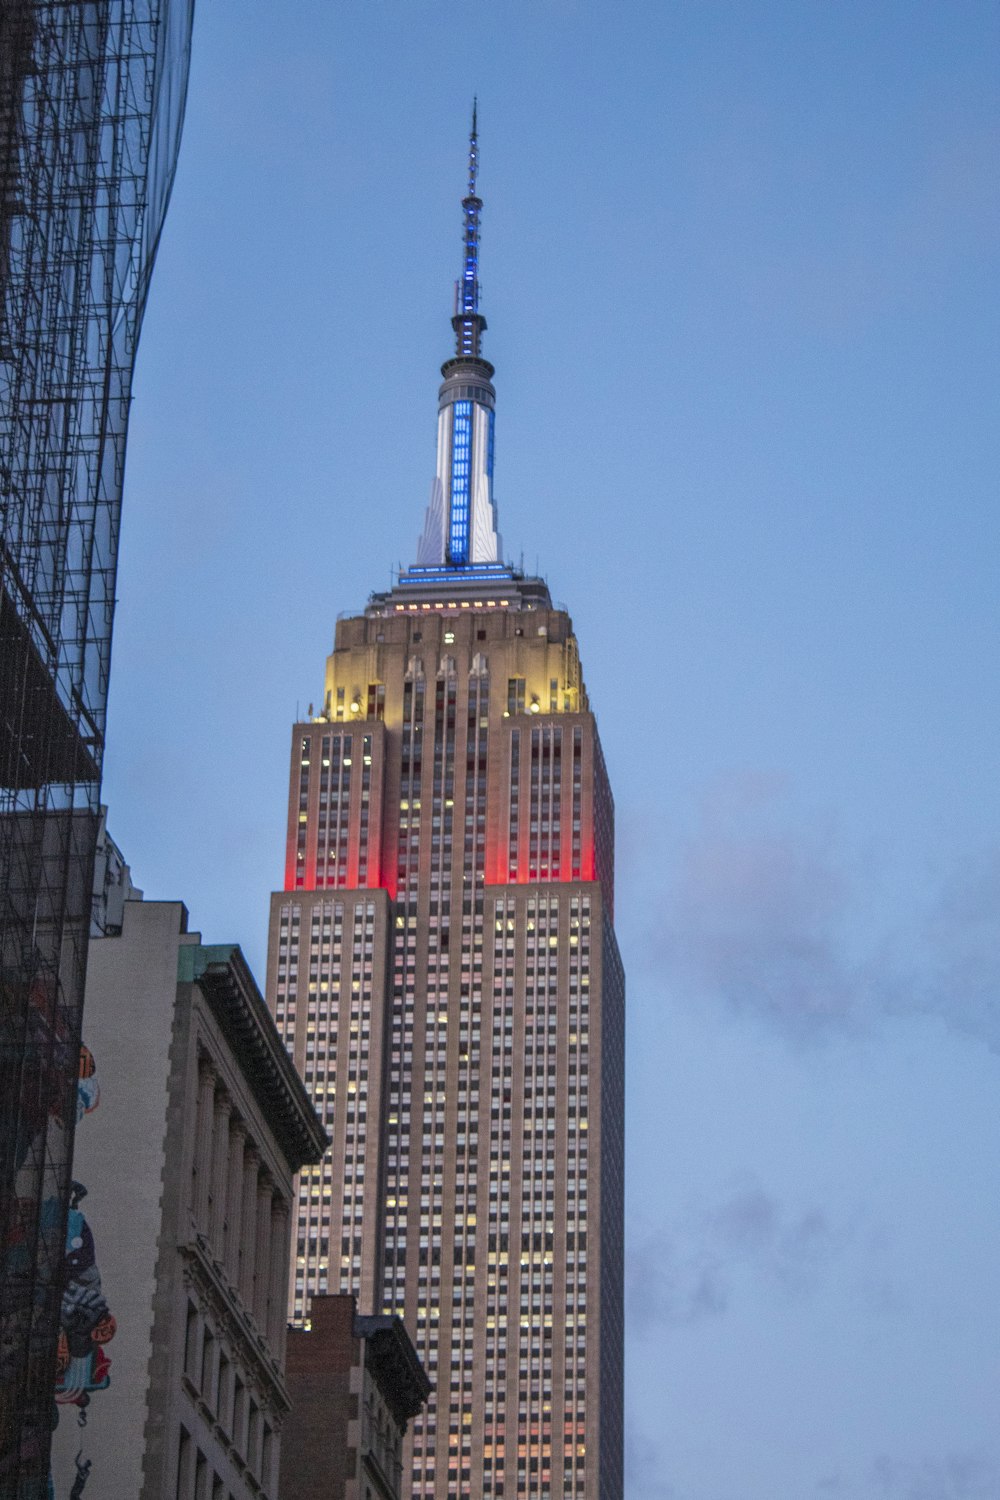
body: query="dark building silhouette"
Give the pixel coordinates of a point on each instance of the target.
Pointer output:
(91, 101)
(354, 1383)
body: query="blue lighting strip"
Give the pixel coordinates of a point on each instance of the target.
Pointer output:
(489, 453)
(470, 285)
(461, 474)
(489, 572)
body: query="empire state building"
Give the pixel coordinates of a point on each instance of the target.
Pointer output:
(444, 970)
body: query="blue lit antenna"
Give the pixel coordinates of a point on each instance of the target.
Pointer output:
(468, 322)
(460, 527)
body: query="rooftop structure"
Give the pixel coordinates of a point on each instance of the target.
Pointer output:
(354, 1382)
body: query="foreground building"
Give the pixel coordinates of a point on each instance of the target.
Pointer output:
(444, 968)
(354, 1383)
(91, 101)
(170, 1379)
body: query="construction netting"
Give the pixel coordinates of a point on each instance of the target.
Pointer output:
(92, 99)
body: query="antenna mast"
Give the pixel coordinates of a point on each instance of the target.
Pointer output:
(468, 322)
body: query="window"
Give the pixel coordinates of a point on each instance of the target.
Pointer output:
(207, 1362)
(253, 1435)
(222, 1391)
(515, 695)
(191, 1341)
(183, 1464)
(239, 1411)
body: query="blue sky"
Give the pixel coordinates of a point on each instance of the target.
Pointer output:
(740, 270)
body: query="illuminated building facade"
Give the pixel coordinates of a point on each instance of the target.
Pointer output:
(444, 969)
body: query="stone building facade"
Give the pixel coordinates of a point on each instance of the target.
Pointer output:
(187, 1159)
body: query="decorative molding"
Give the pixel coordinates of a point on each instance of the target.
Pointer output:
(229, 1315)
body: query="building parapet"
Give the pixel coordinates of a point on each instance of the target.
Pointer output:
(395, 1364)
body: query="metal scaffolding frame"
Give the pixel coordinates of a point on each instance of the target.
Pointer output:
(91, 104)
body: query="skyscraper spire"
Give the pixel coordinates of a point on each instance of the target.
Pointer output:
(460, 528)
(467, 322)
(475, 994)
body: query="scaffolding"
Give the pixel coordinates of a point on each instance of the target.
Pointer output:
(91, 104)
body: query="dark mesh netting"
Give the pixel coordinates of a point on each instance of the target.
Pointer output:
(91, 103)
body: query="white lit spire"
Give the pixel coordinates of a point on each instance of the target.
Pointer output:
(460, 528)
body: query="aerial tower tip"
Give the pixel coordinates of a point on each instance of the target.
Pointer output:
(468, 322)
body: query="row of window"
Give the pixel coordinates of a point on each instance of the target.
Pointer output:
(211, 1368)
(337, 1043)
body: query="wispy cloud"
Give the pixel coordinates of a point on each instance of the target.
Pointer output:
(644, 1468)
(754, 916)
(684, 1273)
(758, 918)
(960, 941)
(957, 1476)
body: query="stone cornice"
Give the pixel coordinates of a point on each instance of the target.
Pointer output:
(222, 974)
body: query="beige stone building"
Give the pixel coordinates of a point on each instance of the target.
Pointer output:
(444, 969)
(193, 1122)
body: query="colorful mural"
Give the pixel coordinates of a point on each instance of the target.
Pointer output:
(86, 1324)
